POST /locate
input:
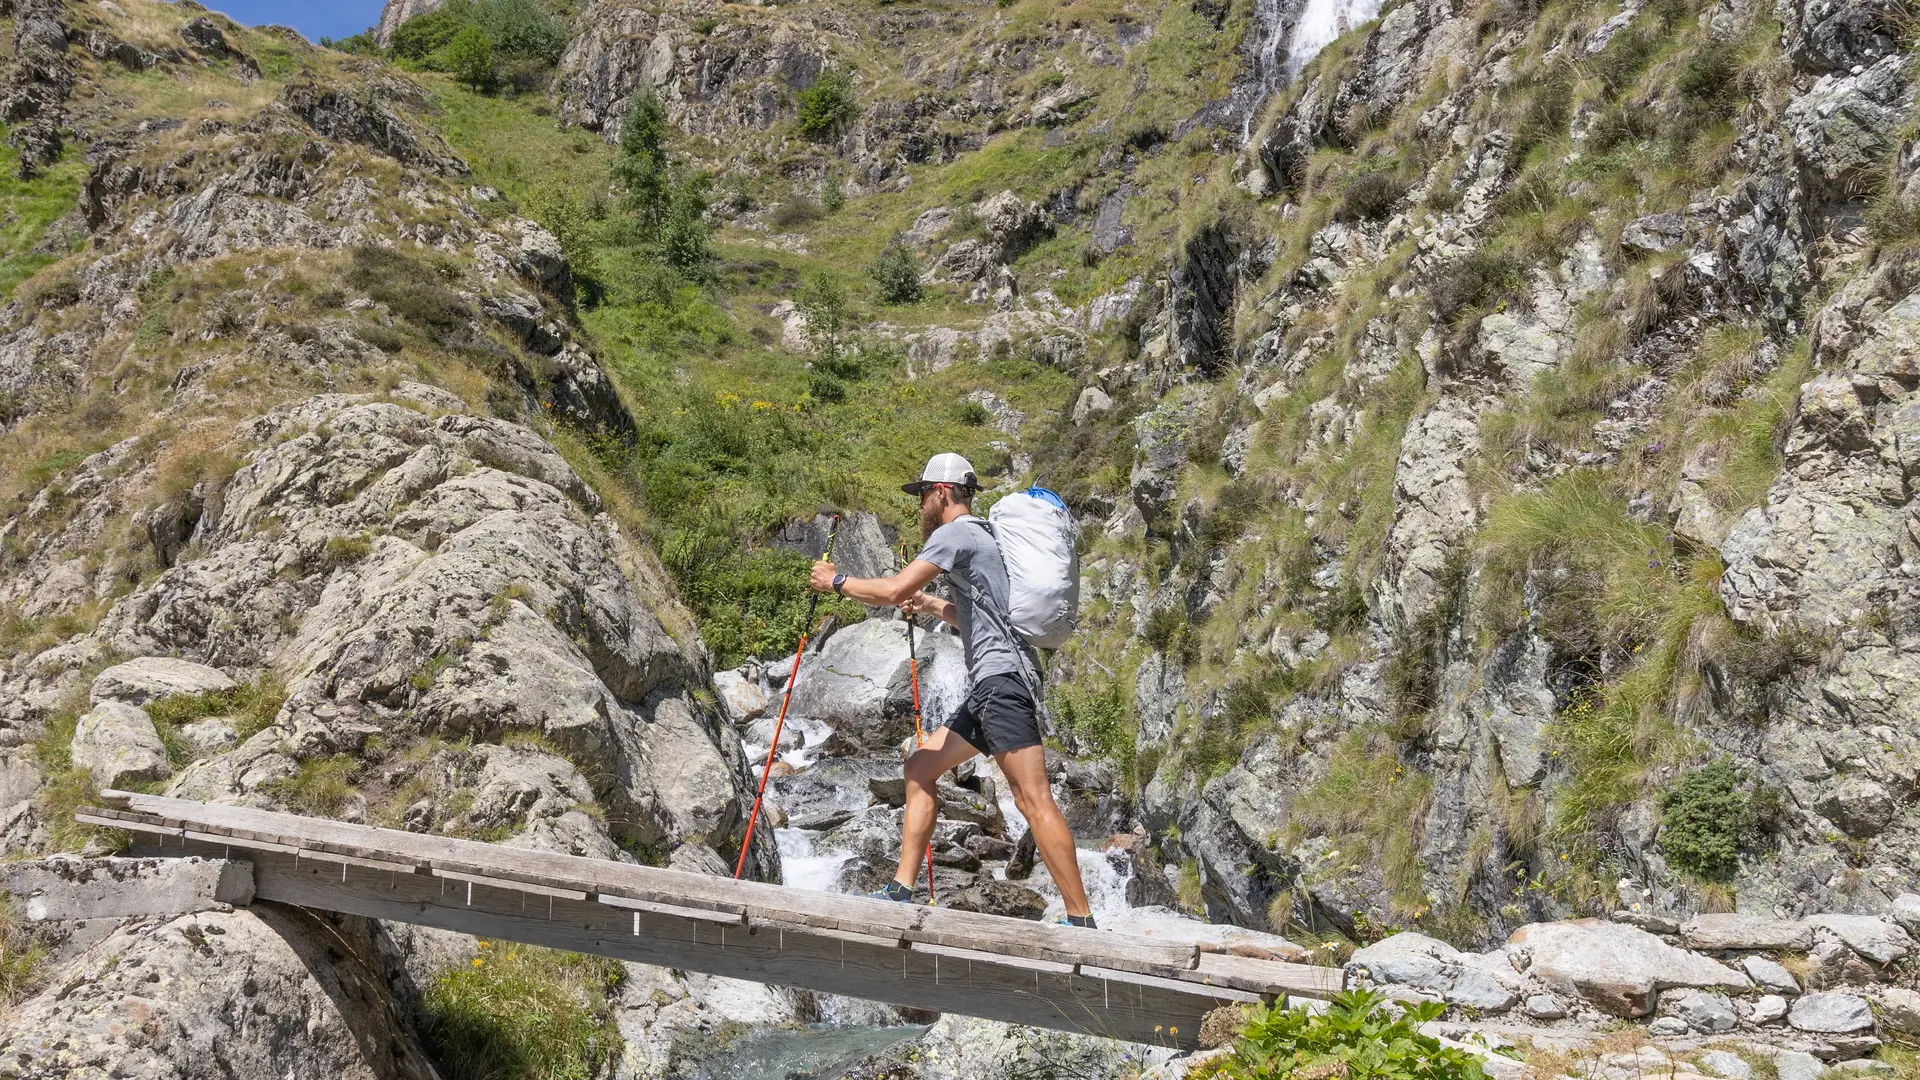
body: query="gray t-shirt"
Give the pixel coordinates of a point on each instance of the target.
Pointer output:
(967, 552)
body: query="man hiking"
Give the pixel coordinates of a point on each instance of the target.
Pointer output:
(1000, 717)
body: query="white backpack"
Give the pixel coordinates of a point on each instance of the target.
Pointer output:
(1039, 543)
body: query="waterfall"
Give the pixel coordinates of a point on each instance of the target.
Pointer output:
(1285, 35)
(1321, 21)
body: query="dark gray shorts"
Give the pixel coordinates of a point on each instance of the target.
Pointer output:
(998, 717)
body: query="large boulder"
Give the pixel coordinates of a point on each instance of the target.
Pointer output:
(1615, 967)
(153, 678)
(1424, 963)
(1877, 939)
(119, 745)
(859, 682)
(257, 992)
(1831, 1014)
(1733, 931)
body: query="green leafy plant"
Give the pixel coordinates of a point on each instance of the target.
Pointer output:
(641, 167)
(1356, 1038)
(826, 104)
(897, 273)
(470, 59)
(1702, 818)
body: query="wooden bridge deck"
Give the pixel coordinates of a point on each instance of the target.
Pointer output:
(1091, 981)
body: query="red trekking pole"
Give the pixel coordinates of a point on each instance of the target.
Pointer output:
(793, 676)
(919, 736)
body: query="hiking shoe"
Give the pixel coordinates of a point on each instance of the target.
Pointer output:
(894, 891)
(1085, 922)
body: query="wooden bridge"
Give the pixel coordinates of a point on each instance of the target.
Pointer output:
(1090, 981)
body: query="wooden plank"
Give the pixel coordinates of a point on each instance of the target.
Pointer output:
(511, 885)
(1136, 1008)
(704, 915)
(1063, 944)
(953, 953)
(1224, 995)
(1268, 976)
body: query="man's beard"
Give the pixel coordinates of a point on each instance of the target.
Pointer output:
(929, 518)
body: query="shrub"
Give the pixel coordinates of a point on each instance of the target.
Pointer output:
(520, 28)
(22, 958)
(1101, 720)
(683, 230)
(1474, 280)
(517, 1010)
(897, 273)
(798, 210)
(1370, 196)
(470, 59)
(420, 38)
(1355, 1038)
(826, 104)
(1702, 818)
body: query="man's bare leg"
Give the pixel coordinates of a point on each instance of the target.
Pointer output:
(1026, 773)
(943, 752)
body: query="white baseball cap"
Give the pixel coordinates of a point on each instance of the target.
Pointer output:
(943, 469)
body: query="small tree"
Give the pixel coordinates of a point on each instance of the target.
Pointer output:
(823, 306)
(683, 228)
(521, 28)
(470, 56)
(827, 103)
(642, 166)
(897, 273)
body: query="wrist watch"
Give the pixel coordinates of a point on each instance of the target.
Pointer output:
(839, 580)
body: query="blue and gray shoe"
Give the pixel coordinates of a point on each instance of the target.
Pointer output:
(894, 891)
(1085, 922)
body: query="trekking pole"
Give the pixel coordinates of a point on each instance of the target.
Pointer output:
(919, 737)
(793, 676)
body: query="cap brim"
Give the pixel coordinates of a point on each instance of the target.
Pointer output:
(916, 488)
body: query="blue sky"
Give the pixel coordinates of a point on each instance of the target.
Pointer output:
(314, 18)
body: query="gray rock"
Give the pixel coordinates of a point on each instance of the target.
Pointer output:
(1877, 939)
(119, 745)
(1092, 402)
(859, 682)
(1655, 232)
(1614, 967)
(1706, 1013)
(1861, 807)
(1734, 931)
(1831, 1014)
(1768, 975)
(1669, 1026)
(1726, 1064)
(1544, 1007)
(151, 678)
(263, 991)
(1899, 1009)
(211, 734)
(1768, 1009)
(1424, 963)
(1798, 1065)
(1905, 910)
(997, 898)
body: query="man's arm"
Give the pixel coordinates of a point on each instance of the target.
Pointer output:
(878, 592)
